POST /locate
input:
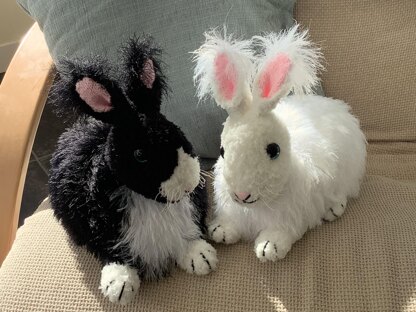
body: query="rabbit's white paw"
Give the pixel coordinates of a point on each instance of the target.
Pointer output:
(119, 283)
(200, 259)
(223, 233)
(271, 250)
(272, 246)
(334, 212)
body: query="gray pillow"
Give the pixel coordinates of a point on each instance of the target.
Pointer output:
(82, 28)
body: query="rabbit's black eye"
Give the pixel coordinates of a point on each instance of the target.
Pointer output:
(138, 155)
(222, 152)
(273, 150)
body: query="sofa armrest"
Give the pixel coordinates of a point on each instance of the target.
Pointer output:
(23, 93)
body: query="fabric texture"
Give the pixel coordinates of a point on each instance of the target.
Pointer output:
(84, 28)
(362, 262)
(369, 47)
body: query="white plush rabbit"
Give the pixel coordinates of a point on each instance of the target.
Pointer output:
(287, 162)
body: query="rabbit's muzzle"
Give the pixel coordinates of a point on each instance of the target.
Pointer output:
(184, 180)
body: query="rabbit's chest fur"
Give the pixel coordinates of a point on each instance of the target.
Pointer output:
(298, 208)
(156, 233)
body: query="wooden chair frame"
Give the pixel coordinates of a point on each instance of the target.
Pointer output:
(23, 93)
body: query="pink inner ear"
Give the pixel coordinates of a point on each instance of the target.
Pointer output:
(94, 95)
(226, 76)
(148, 76)
(274, 75)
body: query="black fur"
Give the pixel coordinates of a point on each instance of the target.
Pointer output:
(133, 145)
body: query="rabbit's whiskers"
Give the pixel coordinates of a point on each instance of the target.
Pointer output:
(202, 181)
(262, 198)
(207, 174)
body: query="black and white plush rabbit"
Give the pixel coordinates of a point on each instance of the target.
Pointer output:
(287, 163)
(124, 180)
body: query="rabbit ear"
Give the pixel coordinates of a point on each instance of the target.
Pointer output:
(84, 85)
(94, 95)
(223, 70)
(290, 63)
(143, 80)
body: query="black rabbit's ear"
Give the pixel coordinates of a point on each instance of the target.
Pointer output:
(84, 85)
(144, 82)
(94, 95)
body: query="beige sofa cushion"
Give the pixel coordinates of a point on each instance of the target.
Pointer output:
(365, 261)
(370, 52)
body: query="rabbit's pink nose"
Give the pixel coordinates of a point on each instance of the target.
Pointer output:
(242, 195)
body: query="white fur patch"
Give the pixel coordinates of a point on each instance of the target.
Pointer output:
(119, 283)
(200, 259)
(185, 178)
(272, 245)
(222, 233)
(158, 233)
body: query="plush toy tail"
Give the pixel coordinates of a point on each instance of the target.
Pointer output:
(290, 62)
(223, 70)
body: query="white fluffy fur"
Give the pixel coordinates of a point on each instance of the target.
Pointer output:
(321, 162)
(200, 259)
(159, 233)
(305, 58)
(304, 55)
(119, 283)
(184, 179)
(238, 52)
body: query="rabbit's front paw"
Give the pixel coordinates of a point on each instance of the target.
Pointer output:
(119, 283)
(271, 250)
(223, 233)
(201, 258)
(334, 212)
(272, 245)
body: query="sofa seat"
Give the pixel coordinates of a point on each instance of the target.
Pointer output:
(364, 261)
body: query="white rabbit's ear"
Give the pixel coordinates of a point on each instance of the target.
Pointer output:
(223, 70)
(290, 63)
